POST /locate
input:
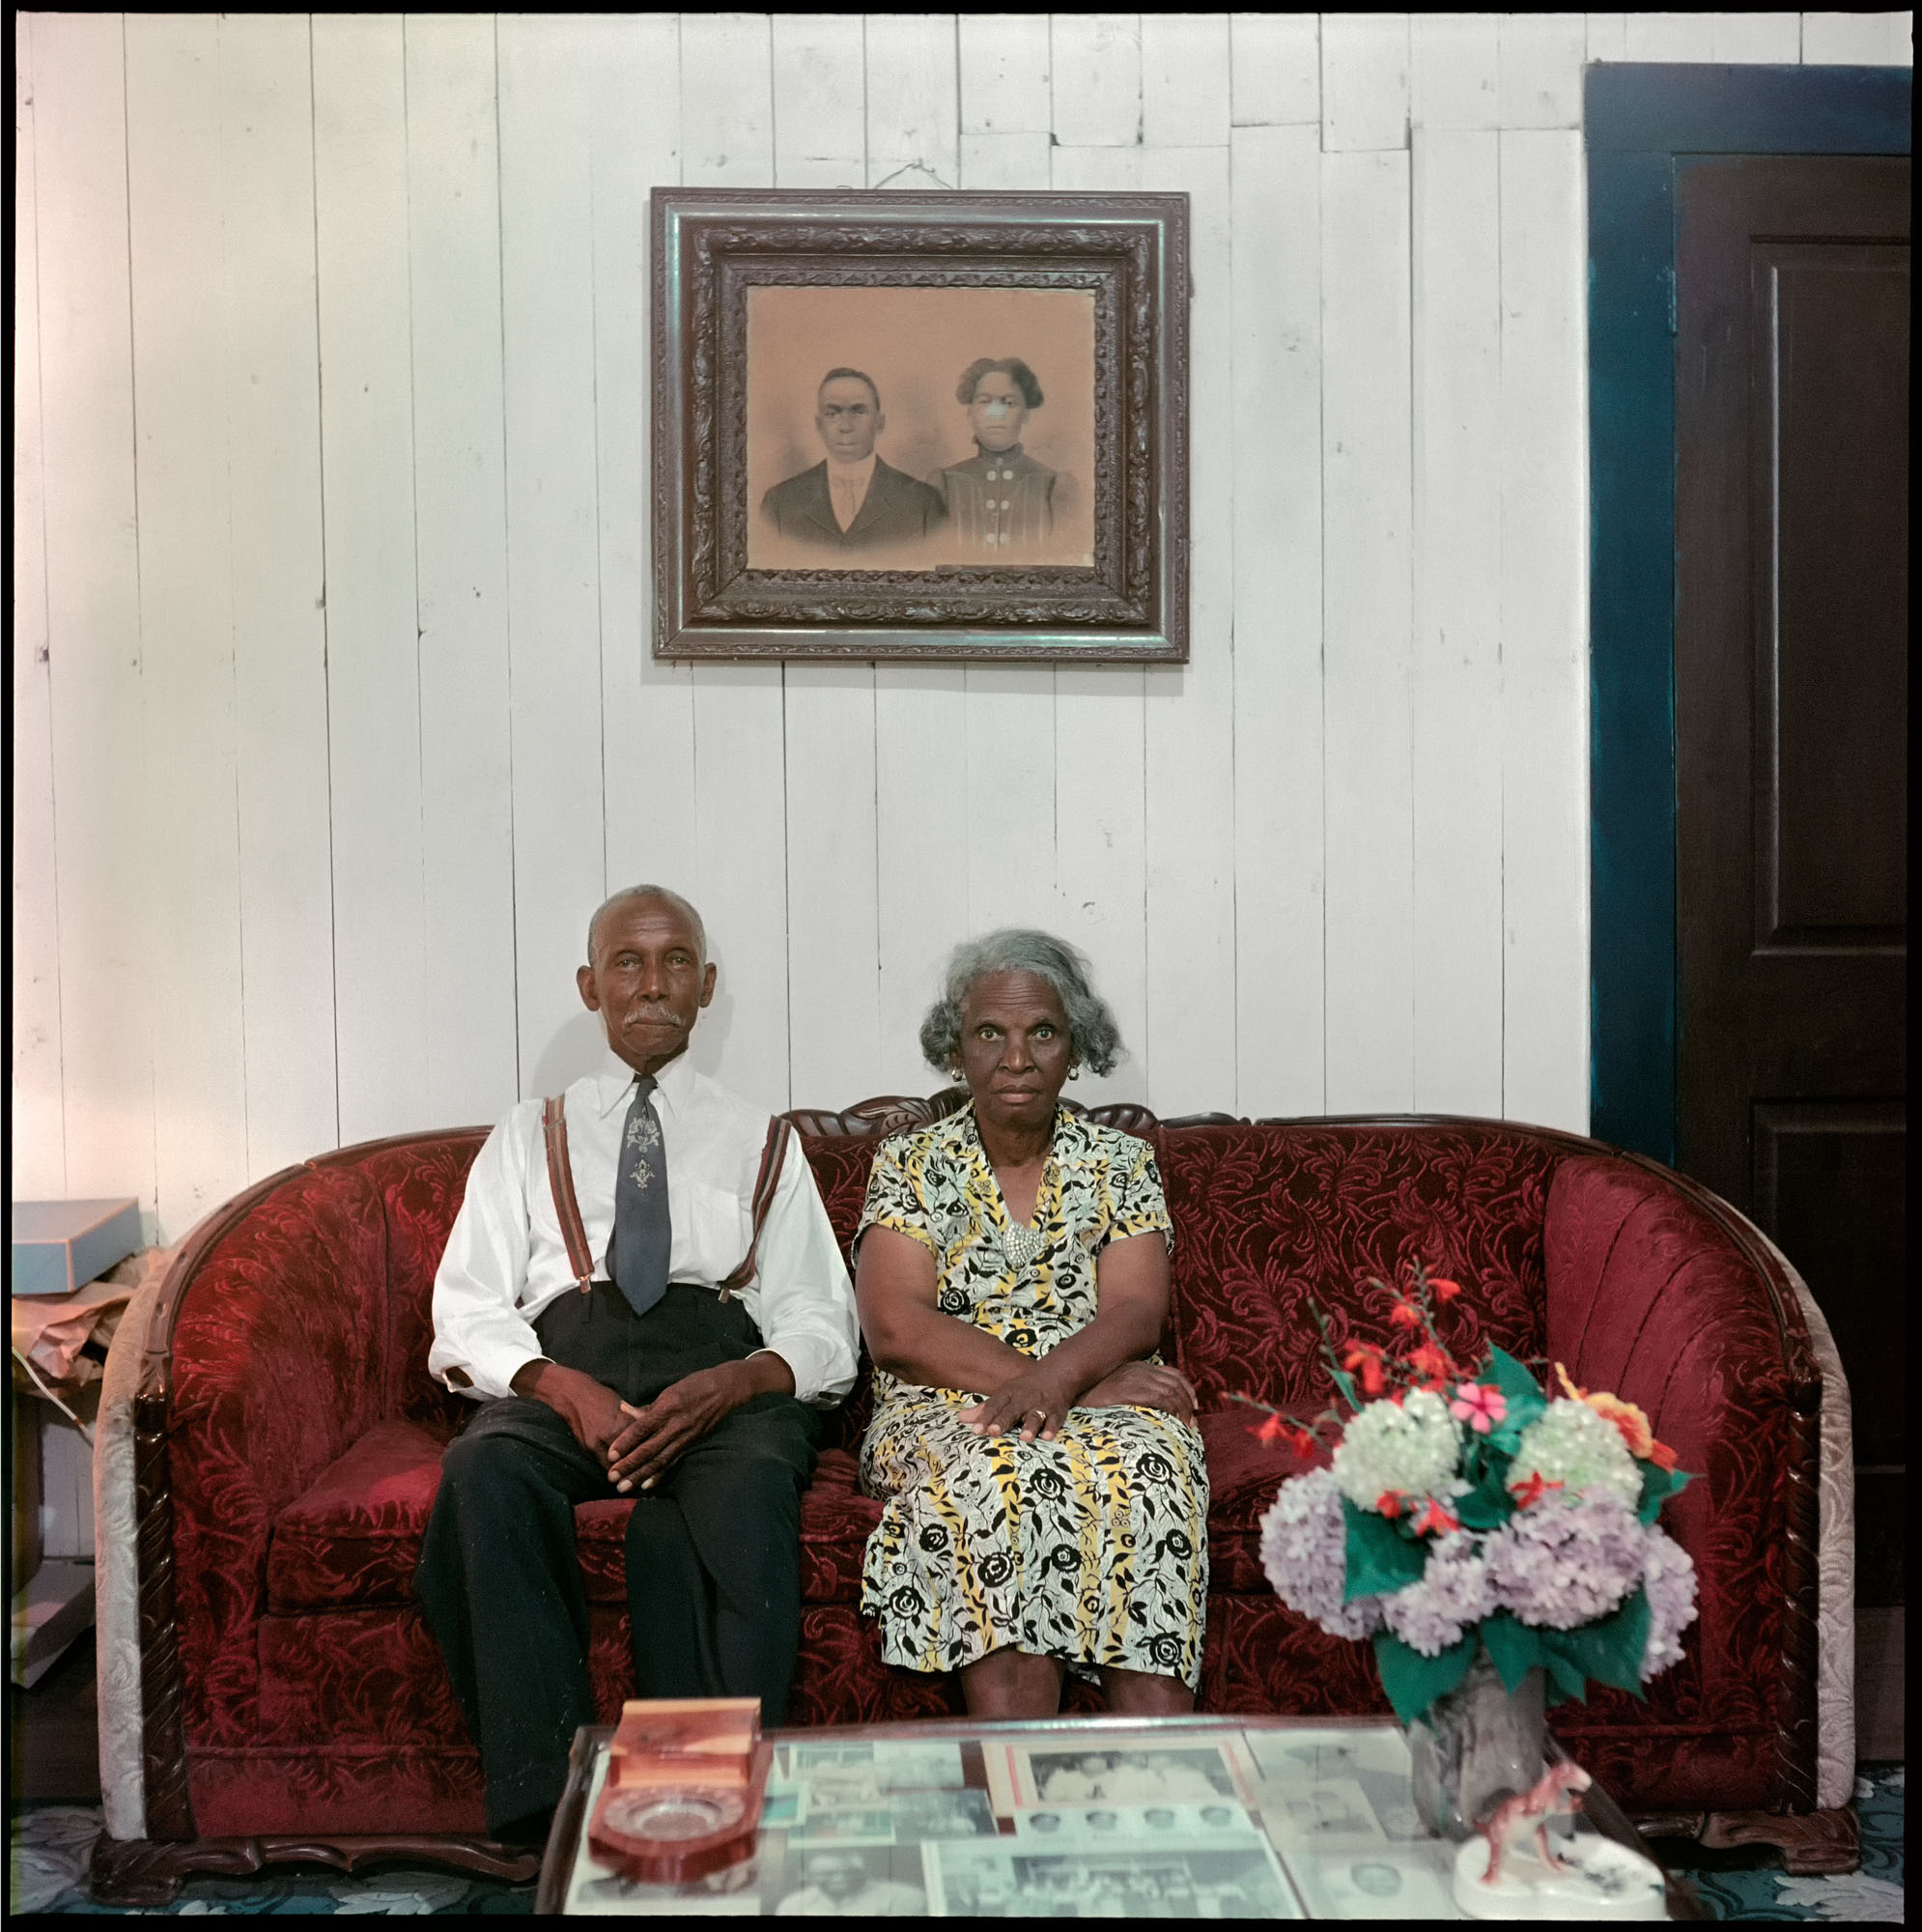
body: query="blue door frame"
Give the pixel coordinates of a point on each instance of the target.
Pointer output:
(1642, 124)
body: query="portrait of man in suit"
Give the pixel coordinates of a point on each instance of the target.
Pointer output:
(851, 499)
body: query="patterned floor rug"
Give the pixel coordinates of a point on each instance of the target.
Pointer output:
(50, 1846)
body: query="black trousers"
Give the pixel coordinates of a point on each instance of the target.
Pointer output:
(712, 1551)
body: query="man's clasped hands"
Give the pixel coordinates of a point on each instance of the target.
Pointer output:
(639, 1445)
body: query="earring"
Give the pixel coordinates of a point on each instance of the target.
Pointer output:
(1074, 1071)
(954, 1074)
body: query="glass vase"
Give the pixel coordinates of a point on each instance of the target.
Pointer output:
(1476, 1746)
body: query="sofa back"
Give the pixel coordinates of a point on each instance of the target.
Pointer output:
(1267, 1213)
(1270, 1213)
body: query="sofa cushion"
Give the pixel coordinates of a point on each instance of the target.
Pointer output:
(351, 1542)
(353, 1538)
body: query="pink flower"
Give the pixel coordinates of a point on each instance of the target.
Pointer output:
(1479, 1406)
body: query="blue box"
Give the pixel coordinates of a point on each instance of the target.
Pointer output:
(61, 1245)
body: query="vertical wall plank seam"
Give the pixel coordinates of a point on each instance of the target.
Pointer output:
(1233, 623)
(874, 729)
(139, 588)
(327, 614)
(960, 178)
(1054, 122)
(774, 146)
(1321, 459)
(44, 648)
(47, 636)
(506, 559)
(1415, 542)
(413, 500)
(600, 525)
(1501, 608)
(693, 709)
(234, 648)
(787, 802)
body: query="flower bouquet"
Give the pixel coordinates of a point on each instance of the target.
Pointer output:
(1467, 1513)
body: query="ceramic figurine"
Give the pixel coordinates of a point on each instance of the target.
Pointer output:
(1510, 1870)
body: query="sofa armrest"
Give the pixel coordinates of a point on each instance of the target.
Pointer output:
(1835, 1722)
(263, 1360)
(117, 1620)
(1658, 1290)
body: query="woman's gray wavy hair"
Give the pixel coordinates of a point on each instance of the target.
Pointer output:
(1092, 1034)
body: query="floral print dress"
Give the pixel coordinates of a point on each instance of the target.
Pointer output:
(1092, 1547)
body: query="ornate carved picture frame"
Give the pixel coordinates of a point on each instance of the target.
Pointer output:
(908, 425)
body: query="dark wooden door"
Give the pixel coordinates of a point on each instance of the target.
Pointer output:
(1791, 720)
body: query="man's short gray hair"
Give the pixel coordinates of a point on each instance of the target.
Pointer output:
(668, 894)
(1092, 1034)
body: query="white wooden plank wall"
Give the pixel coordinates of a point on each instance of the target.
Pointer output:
(333, 715)
(39, 1105)
(463, 568)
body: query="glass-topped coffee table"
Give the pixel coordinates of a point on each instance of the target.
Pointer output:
(1202, 1817)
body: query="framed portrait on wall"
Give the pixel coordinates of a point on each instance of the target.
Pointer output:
(912, 425)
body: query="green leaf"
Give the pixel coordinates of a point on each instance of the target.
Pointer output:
(1379, 1562)
(1658, 1486)
(1611, 1649)
(1525, 1401)
(1413, 1682)
(1505, 1438)
(1513, 1380)
(1515, 1648)
(1487, 1505)
(1564, 1673)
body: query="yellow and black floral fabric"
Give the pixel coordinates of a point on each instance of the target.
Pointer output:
(1092, 1547)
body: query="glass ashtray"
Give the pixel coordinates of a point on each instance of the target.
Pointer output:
(672, 1813)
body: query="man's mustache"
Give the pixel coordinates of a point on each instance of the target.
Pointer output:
(660, 1016)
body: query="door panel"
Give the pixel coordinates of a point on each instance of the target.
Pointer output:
(1791, 719)
(1832, 671)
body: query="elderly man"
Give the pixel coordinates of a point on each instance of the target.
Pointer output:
(643, 1293)
(852, 499)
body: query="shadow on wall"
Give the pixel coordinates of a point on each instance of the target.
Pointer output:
(580, 1047)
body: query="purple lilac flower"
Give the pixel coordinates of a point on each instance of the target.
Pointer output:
(1668, 1574)
(1304, 1550)
(1453, 1593)
(1561, 1565)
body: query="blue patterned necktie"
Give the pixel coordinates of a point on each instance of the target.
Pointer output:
(638, 1248)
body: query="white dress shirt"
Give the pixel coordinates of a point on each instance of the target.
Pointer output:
(506, 1258)
(847, 487)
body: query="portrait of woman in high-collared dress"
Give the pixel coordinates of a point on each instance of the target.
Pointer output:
(1002, 503)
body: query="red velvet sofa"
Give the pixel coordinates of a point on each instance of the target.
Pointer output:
(287, 1440)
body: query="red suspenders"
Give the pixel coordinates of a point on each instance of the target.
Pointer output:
(774, 1152)
(560, 1177)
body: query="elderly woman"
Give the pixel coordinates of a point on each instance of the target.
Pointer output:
(1046, 1496)
(1000, 496)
